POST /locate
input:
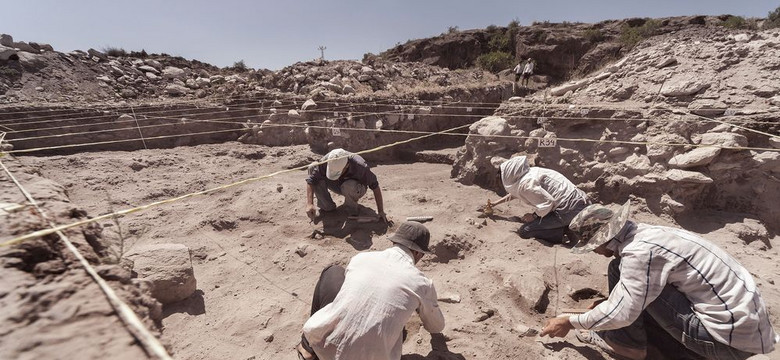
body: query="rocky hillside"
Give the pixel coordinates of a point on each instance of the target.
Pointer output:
(31, 74)
(561, 50)
(685, 121)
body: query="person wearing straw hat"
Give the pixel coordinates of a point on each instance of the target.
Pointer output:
(555, 199)
(359, 313)
(669, 288)
(346, 174)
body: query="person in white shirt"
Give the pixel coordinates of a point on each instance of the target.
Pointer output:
(380, 292)
(555, 200)
(669, 288)
(528, 70)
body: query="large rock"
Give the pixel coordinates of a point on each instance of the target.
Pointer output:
(176, 90)
(697, 157)
(6, 40)
(531, 287)
(309, 105)
(570, 86)
(491, 125)
(97, 54)
(147, 68)
(7, 53)
(682, 85)
(724, 139)
(172, 72)
(707, 107)
(687, 176)
(168, 268)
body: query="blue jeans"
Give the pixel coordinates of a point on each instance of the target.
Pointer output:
(674, 327)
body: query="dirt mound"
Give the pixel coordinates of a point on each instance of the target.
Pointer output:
(50, 304)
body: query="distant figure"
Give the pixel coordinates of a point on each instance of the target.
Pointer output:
(669, 288)
(528, 70)
(556, 201)
(359, 313)
(518, 71)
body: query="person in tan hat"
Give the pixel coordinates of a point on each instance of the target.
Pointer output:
(669, 288)
(359, 313)
(346, 174)
(555, 200)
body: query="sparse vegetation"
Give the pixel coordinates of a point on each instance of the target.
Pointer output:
(495, 61)
(594, 35)
(772, 19)
(114, 51)
(632, 35)
(738, 22)
(452, 29)
(239, 66)
(8, 72)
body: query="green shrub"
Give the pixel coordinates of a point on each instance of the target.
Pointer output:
(594, 35)
(500, 42)
(772, 19)
(114, 51)
(239, 66)
(632, 35)
(491, 28)
(495, 61)
(452, 29)
(738, 22)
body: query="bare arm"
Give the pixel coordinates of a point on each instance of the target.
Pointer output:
(380, 207)
(311, 211)
(502, 200)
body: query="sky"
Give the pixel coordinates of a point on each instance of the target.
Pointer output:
(274, 34)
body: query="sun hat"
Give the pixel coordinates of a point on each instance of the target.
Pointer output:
(413, 235)
(597, 224)
(336, 166)
(512, 171)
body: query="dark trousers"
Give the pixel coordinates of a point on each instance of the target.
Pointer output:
(670, 325)
(554, 225)
(325, 291)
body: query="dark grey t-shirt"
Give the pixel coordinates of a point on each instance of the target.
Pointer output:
(357, 170)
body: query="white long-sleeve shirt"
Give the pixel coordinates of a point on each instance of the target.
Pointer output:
(381, 290)
(721, 291)
(546, 190)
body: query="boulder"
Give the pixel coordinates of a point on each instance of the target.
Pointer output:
(697, 157)
(23, 46)
(309, 105)
(97, 54)
(667, 61)
(682, 85)
(768, 160)
(172, 72)
(724, 139)
(531, 287)
(151, 76)
(491, 125)
(348, 89)
(775, 100)
(6, 40)
(742, 38)
(151, 69)
(571, 86)
(176, 90)
(706, 107)
(153, 63)
(685, 176)
(775, 142)
(191, 83)
(217, 79)
(168, 268)
(7, 53)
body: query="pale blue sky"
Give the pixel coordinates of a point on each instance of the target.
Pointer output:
(274, 34)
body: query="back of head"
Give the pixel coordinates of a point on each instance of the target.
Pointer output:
(512, 171)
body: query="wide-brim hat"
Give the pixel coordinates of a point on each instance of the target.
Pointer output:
(597, 224)
(413, 235)
(337, 160)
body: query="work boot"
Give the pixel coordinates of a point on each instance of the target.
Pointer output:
(617, 351)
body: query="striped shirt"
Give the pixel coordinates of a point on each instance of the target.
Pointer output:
(722, 292)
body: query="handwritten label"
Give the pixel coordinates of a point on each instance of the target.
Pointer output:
(584, 112)
(731, 112)
(410, 117)
(336, 131)
(468, 109)
(336, 113)
(548, 142)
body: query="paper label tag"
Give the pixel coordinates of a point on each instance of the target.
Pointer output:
(468, 109)
(548, 142)
(584, 112)
(336, 131)
(730, 112)
(410, 117)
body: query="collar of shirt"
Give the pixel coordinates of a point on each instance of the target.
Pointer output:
(403, 253)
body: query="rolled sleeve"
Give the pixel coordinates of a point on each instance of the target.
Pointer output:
(316, 174)
(430, 313)
(532, 192)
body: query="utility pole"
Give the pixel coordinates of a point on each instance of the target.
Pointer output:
(322, 52)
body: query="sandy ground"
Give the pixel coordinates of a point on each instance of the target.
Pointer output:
(255, 289)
